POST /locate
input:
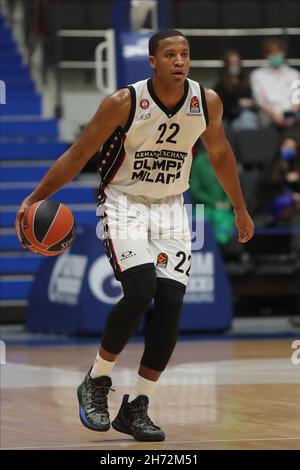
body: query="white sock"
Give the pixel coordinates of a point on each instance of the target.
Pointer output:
(142, 386)
(101, 367)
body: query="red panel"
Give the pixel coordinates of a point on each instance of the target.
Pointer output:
(60, 227)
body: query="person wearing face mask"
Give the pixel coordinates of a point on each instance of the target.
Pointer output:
(234, 89)
(285, 182)
(273, 86)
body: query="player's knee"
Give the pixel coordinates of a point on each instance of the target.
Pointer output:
(169, 297)
(140, 287)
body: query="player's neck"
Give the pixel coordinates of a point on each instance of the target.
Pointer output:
(167, 94)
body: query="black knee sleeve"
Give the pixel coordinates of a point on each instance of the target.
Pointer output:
(123, 320)
(162, 328)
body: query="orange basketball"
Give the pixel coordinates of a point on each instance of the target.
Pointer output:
(48, 228)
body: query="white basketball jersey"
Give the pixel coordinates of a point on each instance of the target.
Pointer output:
(152, 155)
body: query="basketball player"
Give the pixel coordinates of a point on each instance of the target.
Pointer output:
(146, 132)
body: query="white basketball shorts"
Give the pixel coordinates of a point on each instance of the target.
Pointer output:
(139, 232)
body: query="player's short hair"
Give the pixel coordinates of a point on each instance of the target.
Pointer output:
(166, 33)
(269, 43)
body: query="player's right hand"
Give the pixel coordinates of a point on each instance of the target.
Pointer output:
(244, 224)
(25, 205)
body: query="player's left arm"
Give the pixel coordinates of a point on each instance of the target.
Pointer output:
(224, 164)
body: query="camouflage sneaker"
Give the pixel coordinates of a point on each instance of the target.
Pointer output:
(92, 397)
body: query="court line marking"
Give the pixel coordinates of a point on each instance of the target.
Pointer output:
(129, 441)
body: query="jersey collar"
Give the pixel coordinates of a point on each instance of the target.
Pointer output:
(167, 111)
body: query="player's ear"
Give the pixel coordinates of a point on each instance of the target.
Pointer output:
(152, 61)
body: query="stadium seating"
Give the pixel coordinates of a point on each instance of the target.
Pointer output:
(207, 14)
(29, 144)
(236, 14)
(241, 14)
(256, 147)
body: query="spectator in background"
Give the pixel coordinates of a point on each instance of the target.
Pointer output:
(272, 86)
(206, 189)
(235, 92)
(285, 182)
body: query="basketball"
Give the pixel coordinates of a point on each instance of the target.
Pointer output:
(48, 228)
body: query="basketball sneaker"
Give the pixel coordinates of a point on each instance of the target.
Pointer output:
(133, 419)
(92, 397)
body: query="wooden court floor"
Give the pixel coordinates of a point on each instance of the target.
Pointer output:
(233, 394)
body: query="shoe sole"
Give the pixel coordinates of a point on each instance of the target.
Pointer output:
(118, 426)
(86, 423)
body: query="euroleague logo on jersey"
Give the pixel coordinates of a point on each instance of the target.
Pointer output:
(162, 260)
(194, 105)
(144, 104)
